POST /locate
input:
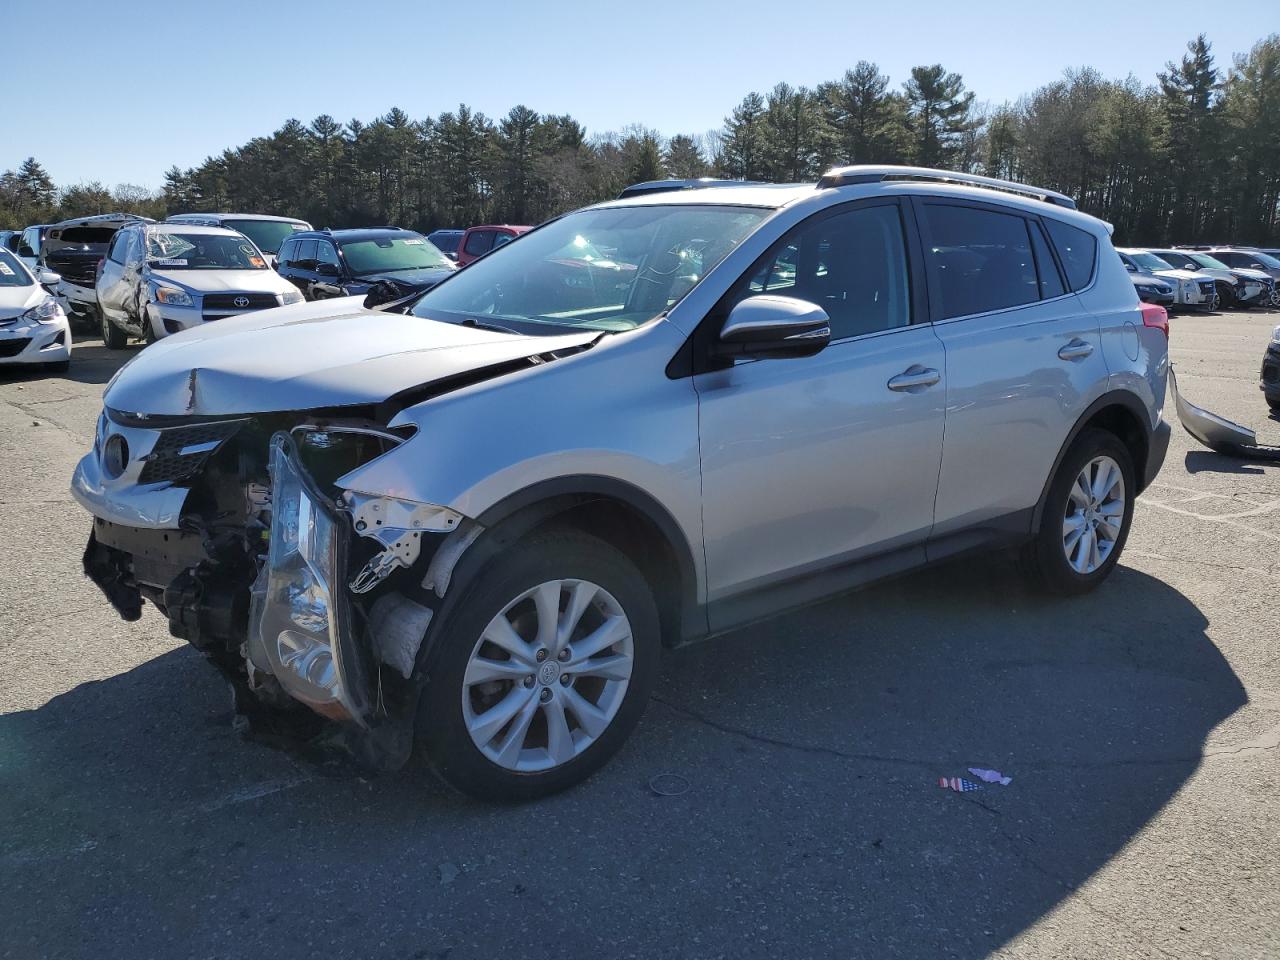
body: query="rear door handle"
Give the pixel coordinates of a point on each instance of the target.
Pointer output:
(1077, 349)
(915, 377)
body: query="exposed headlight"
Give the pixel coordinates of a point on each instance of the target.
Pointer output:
(47, 310)
(295, 625)
(174, 297)
(292, 296)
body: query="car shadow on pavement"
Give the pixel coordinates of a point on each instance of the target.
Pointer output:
(806, 818)
(91, 362)
(1207, 461)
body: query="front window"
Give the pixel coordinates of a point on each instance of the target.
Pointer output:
(1207, 261)
(202, 251)
(1150, 262)
(267, 234)
(392, 255)
(611, 269)
(1269, 262)
(12, 273)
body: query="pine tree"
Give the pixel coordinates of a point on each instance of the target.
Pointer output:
(938, 111)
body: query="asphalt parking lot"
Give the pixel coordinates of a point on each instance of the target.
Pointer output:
(1140, 725)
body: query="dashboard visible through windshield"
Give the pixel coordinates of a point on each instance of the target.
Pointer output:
(610, 270)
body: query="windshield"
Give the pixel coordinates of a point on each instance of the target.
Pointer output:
(610, 269)
(202, 251)
(1268, 261)
(1149, 261)
(393, 254)
(12, 273)
(267, 234)
(1207, 261)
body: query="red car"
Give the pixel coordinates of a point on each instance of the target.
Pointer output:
(478, 241)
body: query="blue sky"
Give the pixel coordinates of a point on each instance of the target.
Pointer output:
(168, 83)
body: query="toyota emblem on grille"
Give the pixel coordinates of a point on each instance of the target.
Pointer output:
(241, 301)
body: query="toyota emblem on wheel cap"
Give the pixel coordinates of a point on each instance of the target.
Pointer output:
(241, 301)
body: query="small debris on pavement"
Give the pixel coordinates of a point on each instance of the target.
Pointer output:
(669, 785)
(448, 873)
(991, 776)
(958, 784)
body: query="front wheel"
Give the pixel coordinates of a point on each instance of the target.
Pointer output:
(1086, 516)
(1226, 295)
(112, 336)
(543, 670)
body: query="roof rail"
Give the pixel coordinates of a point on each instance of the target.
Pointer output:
(863, 173)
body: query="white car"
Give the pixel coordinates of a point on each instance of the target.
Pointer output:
(33, 327)
(1235, 287)
(163, 278)
(1191, 288)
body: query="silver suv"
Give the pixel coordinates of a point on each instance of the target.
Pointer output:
(473, 520)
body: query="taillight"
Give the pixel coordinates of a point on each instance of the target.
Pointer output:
(1154, 315)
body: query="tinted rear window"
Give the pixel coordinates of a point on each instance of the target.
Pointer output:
(1077, 249)
(90, 235)
(981, 259)
(479, 242)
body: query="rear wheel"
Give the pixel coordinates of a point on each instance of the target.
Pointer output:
(112, 336)
(1086, 516)
(544, 669)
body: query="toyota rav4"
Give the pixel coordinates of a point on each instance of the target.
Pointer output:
(471, 521)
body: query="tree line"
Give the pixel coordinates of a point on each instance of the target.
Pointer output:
(1190, 157)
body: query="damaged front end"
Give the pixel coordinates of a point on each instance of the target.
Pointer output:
(305, 594)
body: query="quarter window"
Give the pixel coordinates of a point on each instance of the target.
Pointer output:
(981, 259)
(285, 256)
(853, 265)
(1077, 249)
(118, 244)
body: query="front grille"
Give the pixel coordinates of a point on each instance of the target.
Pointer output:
(11, 348)
(1206, 287)
(78, 268)
(225, 302)
(168, 463)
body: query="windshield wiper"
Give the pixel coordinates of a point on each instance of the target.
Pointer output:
(483, 325)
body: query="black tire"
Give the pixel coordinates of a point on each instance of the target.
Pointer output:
(112, 336)
(144, 321)
(555, 554)
(1226, 295)
(1044, 560)
(1274, 404)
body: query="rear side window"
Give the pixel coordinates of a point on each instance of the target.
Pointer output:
(1077, 249)
(478, 242)
(981, 259)
(853, 265)
(306, 255)
(1050, 280)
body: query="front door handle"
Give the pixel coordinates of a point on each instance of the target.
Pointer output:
(1077, 349)
(915, 377)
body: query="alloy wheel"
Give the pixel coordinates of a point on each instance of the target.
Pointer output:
(548, 675)
(1094, 515)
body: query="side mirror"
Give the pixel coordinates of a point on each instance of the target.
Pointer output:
(1131, 268)
(327, 269)
(47, 278)
(774, 327)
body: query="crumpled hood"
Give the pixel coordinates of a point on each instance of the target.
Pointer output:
(322, 354)
(220, 281)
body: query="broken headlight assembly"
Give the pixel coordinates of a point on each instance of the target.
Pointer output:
(300, 618)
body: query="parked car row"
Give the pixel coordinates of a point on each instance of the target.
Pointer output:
(1206, 279)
